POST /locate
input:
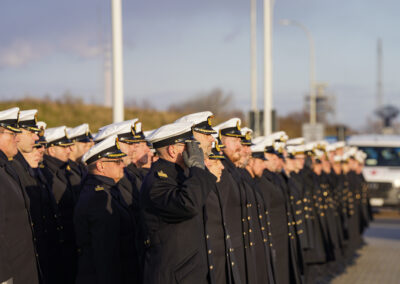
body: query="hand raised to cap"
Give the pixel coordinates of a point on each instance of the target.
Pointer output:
(193, 156)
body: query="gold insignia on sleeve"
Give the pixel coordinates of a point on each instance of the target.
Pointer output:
(162, 174)
(98, 188)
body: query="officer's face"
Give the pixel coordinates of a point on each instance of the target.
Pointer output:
(245, 155)
(33, 158)
(232, 148)
(140, 153)
(337, 167)
(258, 167)
(113, 168)
(270, 164)
(126, 149)
(59, 152)
(26, 141)
(300, 159)
(79, 149)
(205, 142)
(215, 167)
(8, 142)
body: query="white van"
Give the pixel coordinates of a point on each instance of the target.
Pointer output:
(382, 167)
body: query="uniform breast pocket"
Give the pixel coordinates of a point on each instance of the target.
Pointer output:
(186, 267)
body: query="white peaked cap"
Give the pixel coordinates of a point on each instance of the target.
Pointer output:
(229, 123)
(169, 131)
(337, 158)
(77, 131)
(195, 118)
(55, 133)
(246, 130)
(41, 124)
(108, 148)
(339, 144)
(260, 145)
(280, 135)
(310, 146)
(26, 115)
(11, 113)
(115, 129)
(330, 148)
(295, 141)
(148, 133)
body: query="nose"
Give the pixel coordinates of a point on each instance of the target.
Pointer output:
(35, 137)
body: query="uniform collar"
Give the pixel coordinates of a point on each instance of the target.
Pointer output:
(53, 163)
(98, 179)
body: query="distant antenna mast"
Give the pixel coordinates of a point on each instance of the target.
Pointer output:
(379, 85)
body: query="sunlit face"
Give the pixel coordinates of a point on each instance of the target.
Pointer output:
(232, 148)
(79, 149)
(258, 167)
(8, 142)
(300, 159)
(205, 142)
(128, 150)
(271, 162)
(60, 152)
(35, 157)
(215, 166)
(26, 141)
(245, 155)
(140, 153)
(113, 168)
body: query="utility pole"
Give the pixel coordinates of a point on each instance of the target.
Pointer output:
(268, 67)
(379, 84)
(253, 65)
(118, 74)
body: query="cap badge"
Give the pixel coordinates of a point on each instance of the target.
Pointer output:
(238, 125)
(162, 174)
(217, 147)
(35, 118)
(98, 188)
(248, 136)
(209, 120)
(117, 143)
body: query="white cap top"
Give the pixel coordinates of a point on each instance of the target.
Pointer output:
(339, 144)
(41, 124)
(295, 141)
(115, 129)
(148, 133)
(26, 115)
(195, 118)
(230, 127)
(259, 146)
(77, 131)
(55, 133)
(246, 130)
(169, 131)
(337, 158)
(279, 136)
(108, 148)
(11, 113)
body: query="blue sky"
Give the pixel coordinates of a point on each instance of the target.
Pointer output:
(175, 49)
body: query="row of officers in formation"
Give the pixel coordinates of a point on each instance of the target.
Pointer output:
(188, 202)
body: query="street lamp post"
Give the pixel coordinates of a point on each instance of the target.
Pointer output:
(118, 74)
(268, 8)
(313, 99)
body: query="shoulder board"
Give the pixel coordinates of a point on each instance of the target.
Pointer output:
(98, 188)
(162, 174)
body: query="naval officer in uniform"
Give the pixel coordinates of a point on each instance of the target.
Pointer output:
(173, 195)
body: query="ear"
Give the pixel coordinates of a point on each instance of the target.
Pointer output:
(99, 166)
(171, 151)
